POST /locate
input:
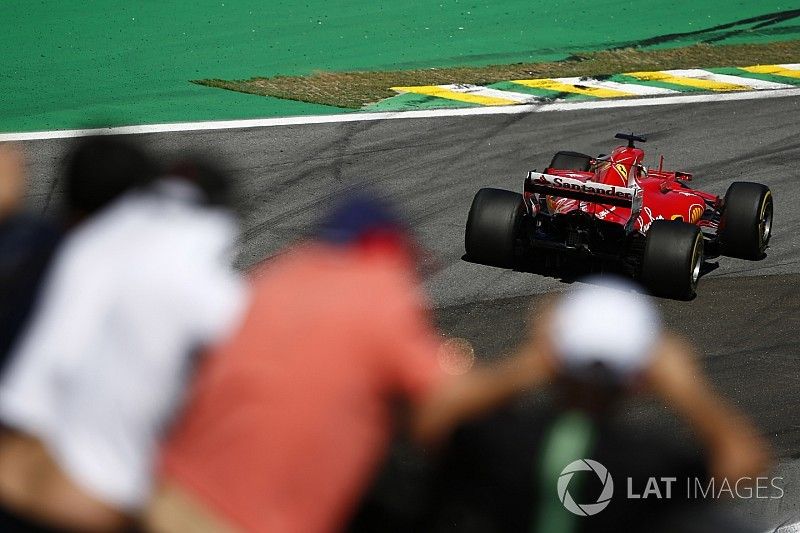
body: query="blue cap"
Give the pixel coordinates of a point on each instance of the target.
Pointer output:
(357, 214)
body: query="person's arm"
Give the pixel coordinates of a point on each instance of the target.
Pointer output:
(12, 179)
(464, 397)
(427, 372)
(34, 486)
(735, 448)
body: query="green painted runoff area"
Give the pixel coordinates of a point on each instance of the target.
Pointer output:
(113, 62)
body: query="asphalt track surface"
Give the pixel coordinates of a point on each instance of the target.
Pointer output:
(745, 319)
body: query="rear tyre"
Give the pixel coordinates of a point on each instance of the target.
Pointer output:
(672, 258)
(565, 160)
(493, 225)
(746, 223)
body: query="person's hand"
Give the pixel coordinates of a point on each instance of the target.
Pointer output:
(745, 456)
(673, 373)
(536, 355)
(535, 367)
(539, 347)
(12, 178)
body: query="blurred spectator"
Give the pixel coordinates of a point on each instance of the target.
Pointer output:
(95, 172)
(501, 473)
(289, 419)
(27, 243)
(101, 169)
(12, 179)
(133, 292)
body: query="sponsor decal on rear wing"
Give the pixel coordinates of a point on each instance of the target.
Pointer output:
(589, 191)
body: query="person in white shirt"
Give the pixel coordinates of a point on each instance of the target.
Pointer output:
(133, 294)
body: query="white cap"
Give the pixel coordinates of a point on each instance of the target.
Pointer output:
(605, 320)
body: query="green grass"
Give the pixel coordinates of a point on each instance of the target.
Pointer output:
(356, 89)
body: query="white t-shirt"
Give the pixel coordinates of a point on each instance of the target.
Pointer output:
(131, 296)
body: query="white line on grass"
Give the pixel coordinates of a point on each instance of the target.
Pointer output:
(428, 113)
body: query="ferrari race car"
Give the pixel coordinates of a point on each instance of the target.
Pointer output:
(612, 210)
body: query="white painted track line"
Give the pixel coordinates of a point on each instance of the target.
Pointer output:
(633, 88)
(491, 93)
(753, 83)
(432, 113)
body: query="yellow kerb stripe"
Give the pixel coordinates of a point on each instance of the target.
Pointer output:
(773, 69)
(708, 85)
(441, 92)
(553, 85)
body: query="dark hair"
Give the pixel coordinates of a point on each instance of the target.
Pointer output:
(99, 169)
(208, 176)
(594, 389)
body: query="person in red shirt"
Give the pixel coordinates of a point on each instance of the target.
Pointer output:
(289, 419)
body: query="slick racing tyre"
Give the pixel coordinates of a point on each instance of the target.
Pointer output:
(746, 223)
(673, 255)
(571, 161)
(493, 225)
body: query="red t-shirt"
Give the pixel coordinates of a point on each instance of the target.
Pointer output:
(288, 420)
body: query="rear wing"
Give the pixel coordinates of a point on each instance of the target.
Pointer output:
(564, 187)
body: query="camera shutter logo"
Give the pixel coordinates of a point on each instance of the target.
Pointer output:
(585, 509)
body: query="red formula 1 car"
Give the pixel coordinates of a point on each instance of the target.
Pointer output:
(612, 210)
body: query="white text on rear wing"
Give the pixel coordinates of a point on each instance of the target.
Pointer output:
(564, 187)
